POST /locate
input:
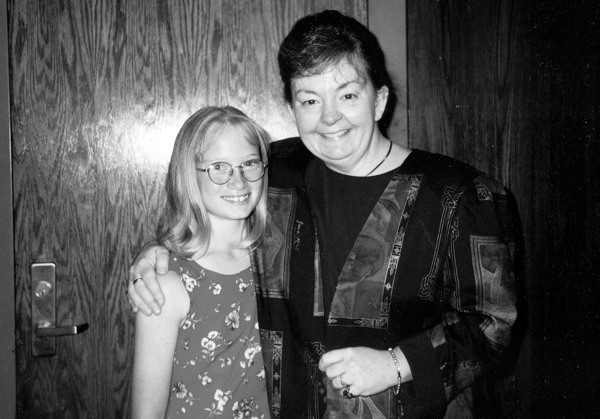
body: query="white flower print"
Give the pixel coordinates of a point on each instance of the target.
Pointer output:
(185, 344)
(252, 351)
(241, 284)
(180, 390)
(190, 283)
(221, 399)
(246, 408)
(187, 324)
(233, 320)
(191, 321)
(225, 362)
(249, 355)
(208, 344)
(182, 393)
(205, 379)
(216, 288)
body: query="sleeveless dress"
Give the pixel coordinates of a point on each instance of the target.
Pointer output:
(218, 368)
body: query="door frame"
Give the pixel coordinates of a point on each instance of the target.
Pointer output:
(387, 20)
(8, 387)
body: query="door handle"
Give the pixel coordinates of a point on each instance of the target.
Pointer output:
(44, 330)
(43, 311)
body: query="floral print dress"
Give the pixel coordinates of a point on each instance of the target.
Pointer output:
(218, 367)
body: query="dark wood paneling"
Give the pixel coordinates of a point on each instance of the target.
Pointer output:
(511, 88)
(99, 90)
(466, 61)
(565, 233)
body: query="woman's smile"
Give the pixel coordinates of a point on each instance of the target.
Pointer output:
(335, 135)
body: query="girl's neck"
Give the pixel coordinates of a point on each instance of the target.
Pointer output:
(227, 261)
(226, 233)
(224, 254)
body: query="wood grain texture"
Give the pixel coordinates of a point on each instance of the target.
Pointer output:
(565, 216)
(465, 64)
(98, 92)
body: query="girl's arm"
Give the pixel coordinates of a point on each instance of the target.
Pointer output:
(155, 340)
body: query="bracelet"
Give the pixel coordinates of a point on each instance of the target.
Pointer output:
(393, 354)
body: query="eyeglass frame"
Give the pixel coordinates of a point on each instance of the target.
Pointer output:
(207, 170)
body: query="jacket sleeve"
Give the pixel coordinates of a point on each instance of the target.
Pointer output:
(476, 291)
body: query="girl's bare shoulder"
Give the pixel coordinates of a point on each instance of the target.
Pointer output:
(177, 300)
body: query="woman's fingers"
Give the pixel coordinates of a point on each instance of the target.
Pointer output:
(365, 371)
(143, 288)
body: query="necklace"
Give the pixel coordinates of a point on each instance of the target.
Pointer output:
(381, 162)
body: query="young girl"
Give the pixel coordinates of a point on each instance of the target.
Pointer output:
(202, 356)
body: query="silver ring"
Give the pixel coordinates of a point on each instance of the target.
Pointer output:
(346, 393)
(136, 280)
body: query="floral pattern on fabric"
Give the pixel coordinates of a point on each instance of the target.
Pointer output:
(218, 368)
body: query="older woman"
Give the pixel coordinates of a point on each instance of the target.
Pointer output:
(386, 285)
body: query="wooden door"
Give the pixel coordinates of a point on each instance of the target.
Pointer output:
(98, 91)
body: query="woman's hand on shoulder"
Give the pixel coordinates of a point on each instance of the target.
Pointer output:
(143, 290)
(176, 299)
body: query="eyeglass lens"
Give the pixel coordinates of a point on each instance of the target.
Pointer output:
(251, 170)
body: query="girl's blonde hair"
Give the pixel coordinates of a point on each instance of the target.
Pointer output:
(184, 227)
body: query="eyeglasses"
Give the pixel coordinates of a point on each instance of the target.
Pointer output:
(221, 172)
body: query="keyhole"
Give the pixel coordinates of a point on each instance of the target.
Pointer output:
(42, 289)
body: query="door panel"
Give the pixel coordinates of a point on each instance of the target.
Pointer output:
(98, 91)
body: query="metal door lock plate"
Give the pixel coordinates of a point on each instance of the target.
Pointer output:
(43, 311)
(43, 307)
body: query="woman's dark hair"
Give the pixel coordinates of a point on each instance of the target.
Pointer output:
(328, 37)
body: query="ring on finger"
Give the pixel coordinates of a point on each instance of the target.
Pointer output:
(346, 393)
(136, 280)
